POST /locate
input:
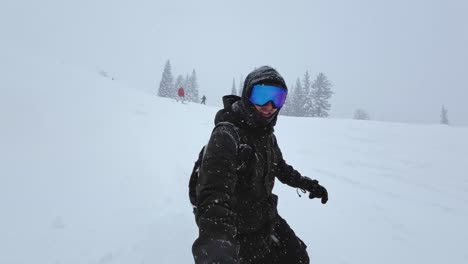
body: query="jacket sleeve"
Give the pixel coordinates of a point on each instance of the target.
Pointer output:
(284, 172)
(217, 241)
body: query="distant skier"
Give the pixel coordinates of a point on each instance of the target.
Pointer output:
(180, 94)
(203, 99)
(235, 209)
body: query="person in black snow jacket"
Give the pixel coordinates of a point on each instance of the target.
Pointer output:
(236, 211)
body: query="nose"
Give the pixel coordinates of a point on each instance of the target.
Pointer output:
(268, 106)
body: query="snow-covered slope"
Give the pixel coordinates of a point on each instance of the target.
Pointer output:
(92, 171)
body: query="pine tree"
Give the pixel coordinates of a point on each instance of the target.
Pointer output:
(300, 99)
(321, 93)
(297, 99)
(234, 90)
(186, 86)
(192, 87)
(307, 102)
(166, 85)
(443, 116)
(361, 114)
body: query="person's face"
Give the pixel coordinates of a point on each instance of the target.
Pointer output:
(267, 110)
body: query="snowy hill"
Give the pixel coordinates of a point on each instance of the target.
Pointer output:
(92, 171)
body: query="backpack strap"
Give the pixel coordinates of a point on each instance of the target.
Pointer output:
(194, 178)
(234, 127)
(196, 168)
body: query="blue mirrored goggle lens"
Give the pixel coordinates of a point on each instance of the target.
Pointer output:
(262, 94)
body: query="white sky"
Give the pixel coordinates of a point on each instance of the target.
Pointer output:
(399, 60)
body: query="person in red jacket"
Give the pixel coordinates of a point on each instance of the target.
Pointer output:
(181, 94)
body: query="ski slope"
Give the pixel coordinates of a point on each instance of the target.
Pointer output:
(92, 171)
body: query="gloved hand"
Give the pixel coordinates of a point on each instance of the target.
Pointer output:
(208, 250)
(315, 189)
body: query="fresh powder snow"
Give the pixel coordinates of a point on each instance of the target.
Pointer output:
(95, 171)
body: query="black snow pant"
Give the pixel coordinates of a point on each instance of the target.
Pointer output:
(283, 246)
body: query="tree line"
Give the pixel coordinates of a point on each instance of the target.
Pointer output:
(168, 86)
(306, 98)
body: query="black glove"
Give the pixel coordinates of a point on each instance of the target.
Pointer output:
(210, 250)
(314, 188)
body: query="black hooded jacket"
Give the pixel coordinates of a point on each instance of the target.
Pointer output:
(237, 175)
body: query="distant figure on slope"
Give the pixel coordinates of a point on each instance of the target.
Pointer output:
(235, 209)
(180, 94)
(203, 99)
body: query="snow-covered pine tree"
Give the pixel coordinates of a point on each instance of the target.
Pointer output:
(307, 102)
(233, 89)
(179, 82)
(443, 116)
(321, 93)
(186, 86)
(361, 114)
(297, 99)
(167, 82)
(301, 100)
(192, 88)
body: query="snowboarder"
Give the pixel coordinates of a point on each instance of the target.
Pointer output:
(181, 94)
(236, 211)
(203, 99)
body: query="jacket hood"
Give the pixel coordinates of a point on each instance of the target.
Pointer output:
(225, 114)
(263, 75)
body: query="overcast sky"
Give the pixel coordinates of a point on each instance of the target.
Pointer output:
(400, 60)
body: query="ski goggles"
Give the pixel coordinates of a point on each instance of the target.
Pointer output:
(262, 94)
